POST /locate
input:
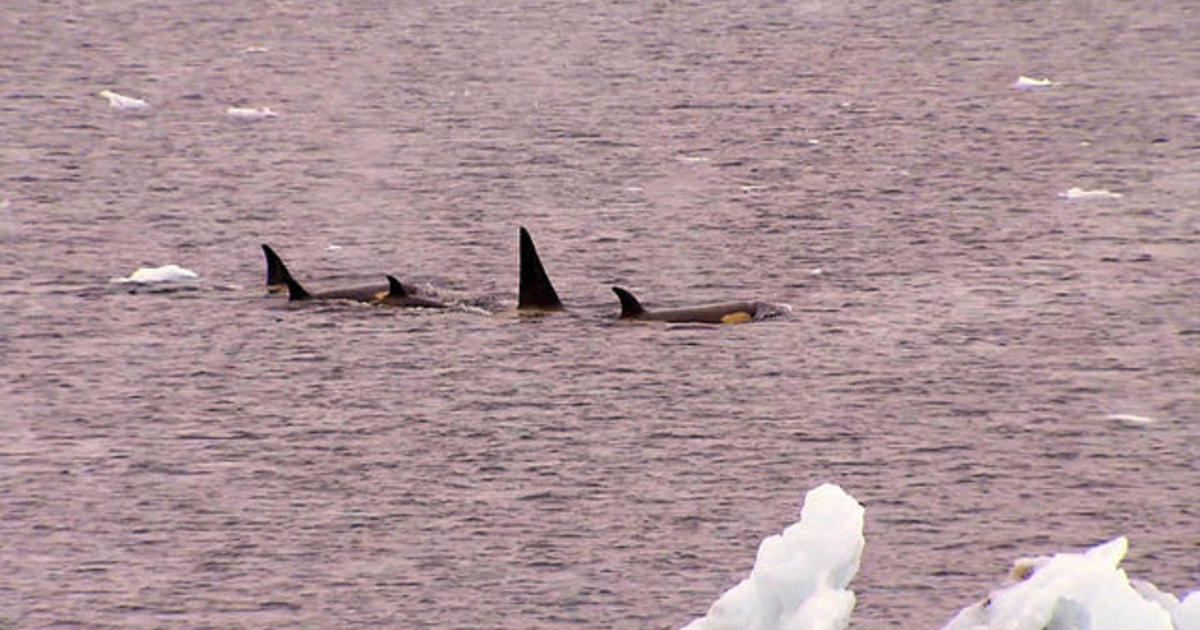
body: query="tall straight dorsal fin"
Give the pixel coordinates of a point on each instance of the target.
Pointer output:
(395, 289)
(535, 292)
(295, 291)
(277, 272)
(630, 307)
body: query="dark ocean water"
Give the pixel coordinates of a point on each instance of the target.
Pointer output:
(212, 457)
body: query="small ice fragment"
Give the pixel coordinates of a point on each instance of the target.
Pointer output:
(333, 248)
(1129, 419)
(154, 275)
(255, 49)
(1031, 83)
(1081, 194)
(816, 271)
(250, 113)
(692, 158)
(120, 101)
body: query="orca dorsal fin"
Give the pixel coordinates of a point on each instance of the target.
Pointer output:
(395, 289)
(630, 307)
(535, 291)
(295, 291)
(277, 272)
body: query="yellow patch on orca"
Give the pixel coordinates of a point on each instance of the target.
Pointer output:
(381, 294)
(736, 317)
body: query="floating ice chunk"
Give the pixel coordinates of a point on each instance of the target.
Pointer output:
(800, 576)
(250, 113)
(1030, 83)
(156, 275)
(333, 248)
(120, 101)
(255, 49)
(1129, 419)
(1081, 194)
(1186, 616)
(1067, 591)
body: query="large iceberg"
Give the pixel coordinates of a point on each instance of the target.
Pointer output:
(1079, 591)
(800, 577)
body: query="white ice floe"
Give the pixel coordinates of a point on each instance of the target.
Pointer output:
(250, 113)
(120, 101)
(1030, 83)
(157, 275)
(800, 577)
(1079, 591)
(1129, 419)
(1080, 194)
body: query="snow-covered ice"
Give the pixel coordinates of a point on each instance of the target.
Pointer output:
(156, 275)
(1079, 591)
(120, 101)
(800, 577)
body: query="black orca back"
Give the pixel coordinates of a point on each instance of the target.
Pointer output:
(395, 288)
(536, 292)
(630, 307)
(295, 291)
(277, 272)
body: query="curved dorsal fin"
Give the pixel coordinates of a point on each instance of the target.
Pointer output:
(295, 291)
(277, 272)
(395, 289)
(630, 307)
(535, 291)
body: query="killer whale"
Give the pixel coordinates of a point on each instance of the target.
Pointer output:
(397, 295)
(277, 272)
(535, 294)
(393, 294)
(723, 313)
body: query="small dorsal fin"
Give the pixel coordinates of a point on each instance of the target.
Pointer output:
(295, 291)
(277, 272)
(395, 289)
(535, 291)
(630, 307)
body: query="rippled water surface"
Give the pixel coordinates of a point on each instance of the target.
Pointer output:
(213, 457)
